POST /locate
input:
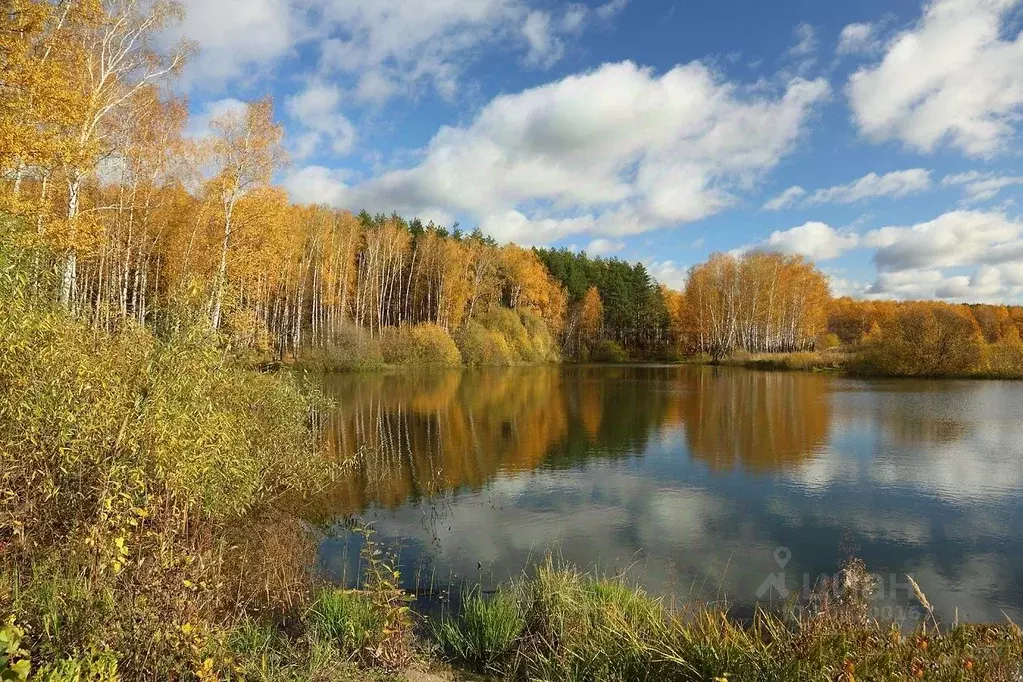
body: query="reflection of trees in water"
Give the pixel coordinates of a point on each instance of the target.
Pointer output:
(906, 429)
(756, 420)
(418, 434)
(421, 434)
(923, 412)
(614, 411)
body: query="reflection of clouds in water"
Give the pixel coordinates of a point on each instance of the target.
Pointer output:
(985, 465)
(921, 477)
(627, 519)
(972, 592)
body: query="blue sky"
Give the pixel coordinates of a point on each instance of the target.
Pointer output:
(879, 138)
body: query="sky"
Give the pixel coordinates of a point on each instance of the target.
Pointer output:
(880, 138)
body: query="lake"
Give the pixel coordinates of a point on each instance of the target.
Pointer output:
(696, 482)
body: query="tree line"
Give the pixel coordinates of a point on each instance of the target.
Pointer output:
(98, 167)
(137, 215)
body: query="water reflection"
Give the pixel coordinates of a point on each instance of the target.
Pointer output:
(693, 476)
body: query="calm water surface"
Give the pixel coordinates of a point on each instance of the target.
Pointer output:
(701, 482)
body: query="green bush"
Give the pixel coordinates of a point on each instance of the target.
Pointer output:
(481, 347)
(504, 337)
(484, 633)
(544, 347)
(420, 346)
(353, 350)
(608, 351)
(508, 324)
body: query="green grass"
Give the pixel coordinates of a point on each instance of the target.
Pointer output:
(348, 619)
(581, 627)
(483, 635)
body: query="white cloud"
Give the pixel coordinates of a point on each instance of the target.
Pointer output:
(951, 239)
(316, 185)
(603, 247)
(238, 38)
(385, 49)
(951, 78)
(788, 198)
(545, 48)
(574, 18)
(401, 46)
(611, 8)
(669, 273)
(199, 124)
(894, 185)
(978, 187)
(960, 255)
(815, 240)
(317, 109)
(807, 41)
(858, 38)
(619, 150)
(843, 286)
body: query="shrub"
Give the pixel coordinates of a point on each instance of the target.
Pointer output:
(481, 347)
(507, 323)
(422, 345)
(608, 351)
(924, 339)
(125, 461)
(828, 341)
(505, 337)
(543, 345)
(353, 350)
(485, 631)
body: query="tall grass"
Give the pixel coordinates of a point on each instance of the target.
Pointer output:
(484, 633)
(576, 626)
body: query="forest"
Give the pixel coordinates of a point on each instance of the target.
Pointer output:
(139, 214)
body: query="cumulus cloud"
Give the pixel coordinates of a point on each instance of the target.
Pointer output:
(400, 46)
(978, 186)
(817, 241)
(238, 38)
(807, 41)
(317, 110)
(952, 78)
(199, 124)
(545, 48)
(960, 255)
(619, 150)
(668, 272)
(954, 238)
(385, 49)
(894, 185)
(860, 38)
(609, 9)
(604, 247)
(968, 255)
(316, 185)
